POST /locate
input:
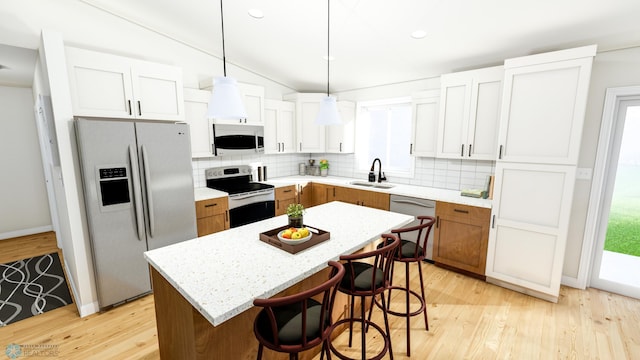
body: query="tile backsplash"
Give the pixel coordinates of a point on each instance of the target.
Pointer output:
(432, 172)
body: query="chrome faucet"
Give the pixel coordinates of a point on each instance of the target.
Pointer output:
(372, 175)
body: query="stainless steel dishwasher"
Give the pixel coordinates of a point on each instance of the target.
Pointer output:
(415, 206)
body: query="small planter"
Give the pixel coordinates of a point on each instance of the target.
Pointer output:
(324, 172)
(296, 221)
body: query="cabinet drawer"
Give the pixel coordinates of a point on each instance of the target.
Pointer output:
(286, 192)
(211, 207)
(445, 209)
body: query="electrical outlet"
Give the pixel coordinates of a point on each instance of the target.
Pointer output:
(584, 173)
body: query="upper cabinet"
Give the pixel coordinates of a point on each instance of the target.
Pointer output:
(105, 85)
(469, 114)
(341, 138)
(424, 129)
(544, 106)
(196, 103)
(312, 138)
(279, 127)
(252, 99)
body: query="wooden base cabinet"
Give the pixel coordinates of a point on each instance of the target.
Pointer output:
(326, 193)
(372, 199)
(461, 237)
(212, 215)
(284, 196)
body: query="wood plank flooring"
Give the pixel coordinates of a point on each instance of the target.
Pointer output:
(468, 319)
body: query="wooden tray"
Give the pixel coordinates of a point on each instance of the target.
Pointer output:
(271, 237)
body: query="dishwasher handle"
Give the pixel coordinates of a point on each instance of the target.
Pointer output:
(403, 201)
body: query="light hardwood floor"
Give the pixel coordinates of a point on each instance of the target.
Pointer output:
(468, 319)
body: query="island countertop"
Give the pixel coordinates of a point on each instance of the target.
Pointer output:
(222, 273)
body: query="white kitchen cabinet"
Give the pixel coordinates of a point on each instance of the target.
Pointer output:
(310, 138)
(469, 114)
(279, 127)
(541, 124)
(543, 107)
(341, 138)
(424, 128)
(531, 210)
(252, 99)
(105, 85)
(196, 103)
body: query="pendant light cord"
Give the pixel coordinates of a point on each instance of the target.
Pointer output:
(224, 57)
(328, 41)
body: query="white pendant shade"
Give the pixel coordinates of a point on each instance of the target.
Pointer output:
(328, 114)
(225, 102)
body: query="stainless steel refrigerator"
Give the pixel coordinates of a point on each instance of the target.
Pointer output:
(138, 190)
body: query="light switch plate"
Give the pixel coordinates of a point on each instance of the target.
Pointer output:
(584, 173)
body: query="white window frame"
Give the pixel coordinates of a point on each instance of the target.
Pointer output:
(362, 161)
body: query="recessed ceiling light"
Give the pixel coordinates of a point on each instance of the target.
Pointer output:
(256, 13)
(418, 34)
(330, 58)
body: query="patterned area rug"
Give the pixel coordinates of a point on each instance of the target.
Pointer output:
(30, 287)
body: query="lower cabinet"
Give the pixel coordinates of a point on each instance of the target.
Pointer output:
(372, 199)
(212, 215)
(284, 196)
(325, 193)
(461, 237)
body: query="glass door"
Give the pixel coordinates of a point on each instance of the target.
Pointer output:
(617, 259)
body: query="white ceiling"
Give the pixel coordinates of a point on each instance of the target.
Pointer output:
(370, 39)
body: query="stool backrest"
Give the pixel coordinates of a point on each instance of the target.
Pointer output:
(381, 258)
(328, 291)
(423, 229)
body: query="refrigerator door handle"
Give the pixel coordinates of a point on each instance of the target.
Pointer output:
(147, 183)
(137, 197)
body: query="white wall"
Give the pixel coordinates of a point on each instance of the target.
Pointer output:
(24, 206)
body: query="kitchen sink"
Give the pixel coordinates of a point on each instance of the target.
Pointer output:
(372, 184)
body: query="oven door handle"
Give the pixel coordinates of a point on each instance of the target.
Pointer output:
(249, 196)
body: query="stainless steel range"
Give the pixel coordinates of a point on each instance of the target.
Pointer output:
(248, 201)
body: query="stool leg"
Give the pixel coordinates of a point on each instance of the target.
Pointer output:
(424, 299)
(259, 352)
(363, 331)
(386, 325)
(406, 271)
(352, 300)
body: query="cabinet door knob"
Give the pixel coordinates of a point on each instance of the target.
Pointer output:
(462, 150)
(139, 108)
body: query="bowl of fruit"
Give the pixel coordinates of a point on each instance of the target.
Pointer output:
(294, 235)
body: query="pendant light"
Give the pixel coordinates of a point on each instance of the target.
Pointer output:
(328, 114)
(225, 102)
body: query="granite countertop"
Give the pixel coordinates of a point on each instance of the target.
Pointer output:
(222, 273)
(423, 192)
(204, 193)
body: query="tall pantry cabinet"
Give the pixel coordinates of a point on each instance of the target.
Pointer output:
(542, 115)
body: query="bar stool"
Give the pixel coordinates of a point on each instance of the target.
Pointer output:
(410, 252)
(294, 323)
(367, 275)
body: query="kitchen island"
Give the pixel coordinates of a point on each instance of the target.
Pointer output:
(204, 288)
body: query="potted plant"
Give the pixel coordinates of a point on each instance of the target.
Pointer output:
(324, 167)
(295, 213)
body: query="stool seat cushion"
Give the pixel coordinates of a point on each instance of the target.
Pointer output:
(408, 249)
(362, 275)
(289, 322)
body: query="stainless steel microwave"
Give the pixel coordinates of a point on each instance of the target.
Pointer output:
(237, 139)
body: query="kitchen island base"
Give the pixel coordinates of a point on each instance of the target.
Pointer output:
(183, 333)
